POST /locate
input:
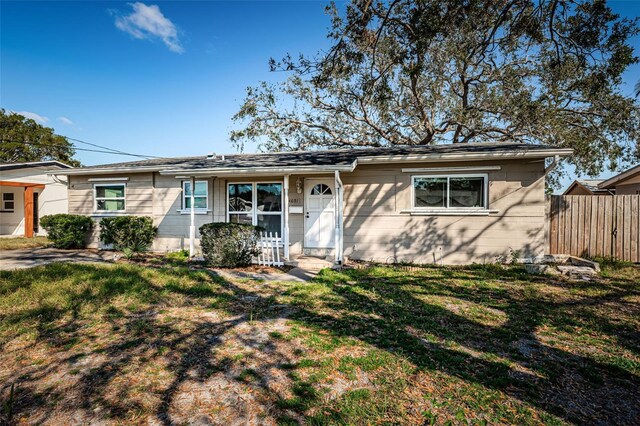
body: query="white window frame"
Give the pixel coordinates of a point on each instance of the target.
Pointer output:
(254, 212)
(485, 195)
(96, 198)
(184, 197)
(4, 206)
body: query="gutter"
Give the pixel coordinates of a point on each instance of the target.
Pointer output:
(104, 171)
(231, 171)
(464, 157)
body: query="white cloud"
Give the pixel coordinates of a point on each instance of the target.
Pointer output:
(148, 22)
(33, 116)
(66, 121)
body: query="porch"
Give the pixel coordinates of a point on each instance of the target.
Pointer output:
(300, 212)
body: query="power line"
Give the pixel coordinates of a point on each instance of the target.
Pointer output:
(104, 147)
(85, 149)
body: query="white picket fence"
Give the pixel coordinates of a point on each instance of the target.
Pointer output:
(269, 246)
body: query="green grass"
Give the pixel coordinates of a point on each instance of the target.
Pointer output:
(464, 345)
(23, 243)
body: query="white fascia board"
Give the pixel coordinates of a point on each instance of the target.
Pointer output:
(104, 171)
(505, 155)
(451, 169)
(256, 171)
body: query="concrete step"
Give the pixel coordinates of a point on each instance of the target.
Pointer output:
(310, 263)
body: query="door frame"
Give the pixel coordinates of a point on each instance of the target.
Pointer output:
(309, 183)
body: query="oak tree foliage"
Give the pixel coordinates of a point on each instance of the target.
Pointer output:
(457, 71)
(23, 140)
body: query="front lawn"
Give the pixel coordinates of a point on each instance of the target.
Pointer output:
(15, 243)
(128, 344)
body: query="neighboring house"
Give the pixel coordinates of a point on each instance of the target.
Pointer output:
(455, 203)
(28, 192)
(626, 183)
(586, 187)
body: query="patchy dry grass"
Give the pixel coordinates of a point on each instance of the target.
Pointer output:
(127, 344)
(23, 243)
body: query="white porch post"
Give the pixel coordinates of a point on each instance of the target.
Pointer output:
(192, 228)
(338, 213)
(285, 202)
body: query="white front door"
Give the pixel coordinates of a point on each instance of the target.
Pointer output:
(319, 222)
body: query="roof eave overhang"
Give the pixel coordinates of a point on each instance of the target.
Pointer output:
(260, 171)
(607, 184)
(434, 157)
(35, 164)
(104, 171)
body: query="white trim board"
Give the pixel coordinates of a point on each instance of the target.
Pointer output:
(451, 169)
(109, 179)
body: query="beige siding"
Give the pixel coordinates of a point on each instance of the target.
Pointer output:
(379, 227)
(378, 223)
(138, 194)
(173, 224)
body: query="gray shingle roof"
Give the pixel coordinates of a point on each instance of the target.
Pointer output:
(320, 158)
(46, 163)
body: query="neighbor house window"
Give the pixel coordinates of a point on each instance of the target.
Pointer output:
(200, 196)
(450, 192)
(8, 202)
(257, 204)
(110, 197)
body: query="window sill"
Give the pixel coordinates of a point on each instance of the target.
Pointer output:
(198, 211)
(450, 212)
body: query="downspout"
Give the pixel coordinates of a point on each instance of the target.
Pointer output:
(339, 218)
(192, 228)
(552, 166)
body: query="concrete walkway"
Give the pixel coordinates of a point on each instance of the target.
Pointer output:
(27, 258)
(295, 275)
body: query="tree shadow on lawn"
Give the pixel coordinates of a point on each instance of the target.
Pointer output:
(573, 387)
(84, 365)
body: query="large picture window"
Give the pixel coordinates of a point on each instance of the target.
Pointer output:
(257, 204)
(450, 192)
(200, 196)
(110, 197)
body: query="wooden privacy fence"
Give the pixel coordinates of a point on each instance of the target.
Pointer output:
(594, 226)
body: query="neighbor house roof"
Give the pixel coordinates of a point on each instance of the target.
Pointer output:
(590, 185)
(617, 179)
(326, 160)
(47, 163)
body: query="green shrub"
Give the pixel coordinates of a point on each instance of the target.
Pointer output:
(229, 245)
(67, 231)
(129, 234)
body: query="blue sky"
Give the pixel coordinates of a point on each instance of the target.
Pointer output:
(155, 78)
